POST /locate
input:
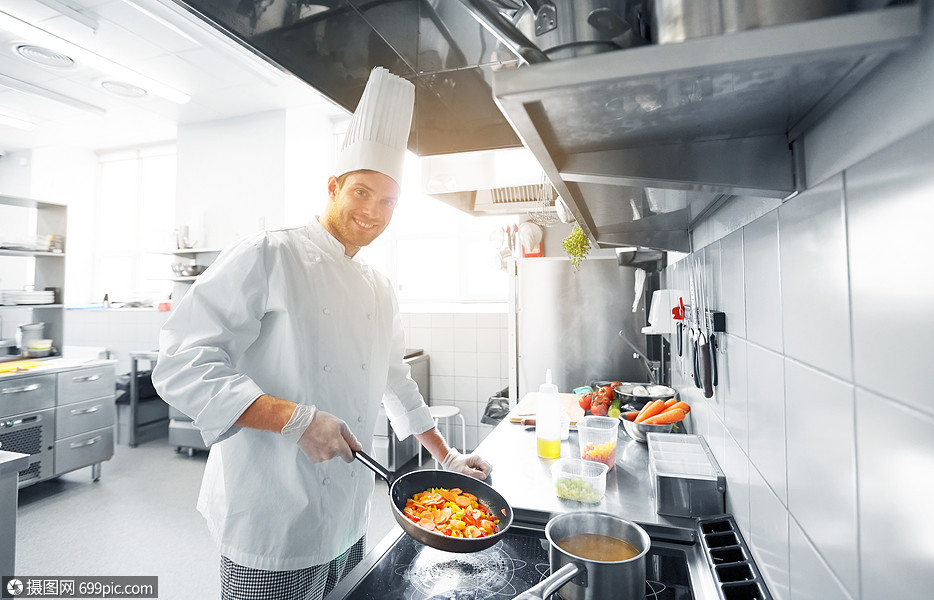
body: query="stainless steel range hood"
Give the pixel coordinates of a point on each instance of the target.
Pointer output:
(639, 142)
(487, 182)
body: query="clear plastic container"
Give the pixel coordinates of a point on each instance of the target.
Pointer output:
(598, 437)
(580, 480)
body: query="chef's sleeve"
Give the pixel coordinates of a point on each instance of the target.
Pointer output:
(205, 337)
(403, 402)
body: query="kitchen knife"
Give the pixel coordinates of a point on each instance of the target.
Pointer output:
(705, 350)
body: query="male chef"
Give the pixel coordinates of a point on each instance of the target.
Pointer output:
(281, 354)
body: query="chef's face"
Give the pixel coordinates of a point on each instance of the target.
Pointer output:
(359, 208)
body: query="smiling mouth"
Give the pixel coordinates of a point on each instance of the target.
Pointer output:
(363, 225)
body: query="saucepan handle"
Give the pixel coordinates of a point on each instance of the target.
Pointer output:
(374, 466)
(552, 583)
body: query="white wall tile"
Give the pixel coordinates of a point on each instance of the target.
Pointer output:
(489, 364)
(895, 466)
(465, 389)
(767, 416)
(419, 320)
(465, 321)
(490, 340)
(418, 337)
(442, 388)
(762, 284)
(732, 290)
(734, 390)
(442, 363)
(465, 364)
(736, 469)
(811, 578)
(442, 338)
(888, 204)
(490, 321)
(465, 339)
(822, 466)
(815, 293)
(768, 526)
(442, 320)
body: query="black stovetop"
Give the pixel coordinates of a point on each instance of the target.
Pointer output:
(412, 571)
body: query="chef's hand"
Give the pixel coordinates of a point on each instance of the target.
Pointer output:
(467, 464)
(321, 435)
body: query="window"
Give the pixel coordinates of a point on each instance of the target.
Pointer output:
(434, 252)
(135, 219)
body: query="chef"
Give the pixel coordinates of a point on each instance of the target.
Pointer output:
(281, 353)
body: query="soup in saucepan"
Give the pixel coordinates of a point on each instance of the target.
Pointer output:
(593, 546)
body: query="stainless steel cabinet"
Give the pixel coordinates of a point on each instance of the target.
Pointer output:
(84, 428)
(63, 419)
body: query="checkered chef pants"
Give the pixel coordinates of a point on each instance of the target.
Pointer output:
(313, 583)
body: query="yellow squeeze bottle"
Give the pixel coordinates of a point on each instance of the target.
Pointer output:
(548, 419)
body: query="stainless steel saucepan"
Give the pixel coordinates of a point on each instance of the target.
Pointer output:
(577, 578)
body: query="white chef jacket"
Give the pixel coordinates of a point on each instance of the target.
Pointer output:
(286, 313)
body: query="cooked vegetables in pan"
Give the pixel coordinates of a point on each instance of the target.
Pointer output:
(451, 512)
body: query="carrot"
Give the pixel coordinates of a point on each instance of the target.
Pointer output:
(669, 416)
(631, 415)
(670, 402)
(682, 405)
(650, 410)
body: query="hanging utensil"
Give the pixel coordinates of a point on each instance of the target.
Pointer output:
(706, 378)
(695, 324)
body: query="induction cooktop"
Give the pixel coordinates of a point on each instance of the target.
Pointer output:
(412, 571)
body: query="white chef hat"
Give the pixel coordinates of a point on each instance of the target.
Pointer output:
(379, 130)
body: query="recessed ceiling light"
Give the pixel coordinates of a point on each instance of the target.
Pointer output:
(124, 89)
(45, 56)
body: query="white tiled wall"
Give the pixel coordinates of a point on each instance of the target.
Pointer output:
(468, 363)
(823, 420)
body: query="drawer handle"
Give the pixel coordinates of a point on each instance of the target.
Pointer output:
(89, 442)
(86, 378)
(17, 390)
(85, 411)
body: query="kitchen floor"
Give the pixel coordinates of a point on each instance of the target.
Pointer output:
(139, 519)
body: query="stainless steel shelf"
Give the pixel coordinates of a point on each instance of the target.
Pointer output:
(31, 253)
(639, 141)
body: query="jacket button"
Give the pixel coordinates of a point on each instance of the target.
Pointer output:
(327, 368)
(326, 481)
(326, 310)
(353, 473)
(369, 316)
(363, 366)
(361, 418)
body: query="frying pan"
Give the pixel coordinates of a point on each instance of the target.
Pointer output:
(404, 487)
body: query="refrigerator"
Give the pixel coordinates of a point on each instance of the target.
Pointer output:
(570, 321)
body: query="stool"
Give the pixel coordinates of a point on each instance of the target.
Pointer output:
(444, 411)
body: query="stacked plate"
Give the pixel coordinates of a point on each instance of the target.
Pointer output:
(27, 297)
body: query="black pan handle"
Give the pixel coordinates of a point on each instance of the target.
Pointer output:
(713, 360)
(705, 369)
(374, 466)
(680, 337)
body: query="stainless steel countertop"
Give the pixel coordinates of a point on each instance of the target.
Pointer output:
(524, 480)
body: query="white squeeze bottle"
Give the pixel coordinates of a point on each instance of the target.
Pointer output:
(548, 419)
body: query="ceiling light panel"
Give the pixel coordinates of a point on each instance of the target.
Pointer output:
(88, 58)
(44, 56)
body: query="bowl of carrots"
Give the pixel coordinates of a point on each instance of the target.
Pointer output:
(659, 416)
